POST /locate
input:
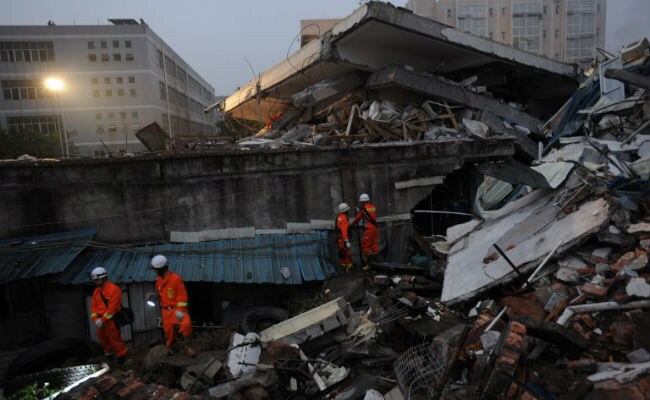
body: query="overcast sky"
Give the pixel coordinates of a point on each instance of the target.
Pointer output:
(214, 36)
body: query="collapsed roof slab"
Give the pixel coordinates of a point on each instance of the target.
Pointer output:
(380, 35)
(434, 86)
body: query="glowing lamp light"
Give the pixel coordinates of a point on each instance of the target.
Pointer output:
(54, 84)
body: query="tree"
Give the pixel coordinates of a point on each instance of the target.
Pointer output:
(15, 143)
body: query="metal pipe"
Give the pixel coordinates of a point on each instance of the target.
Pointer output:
(606, 306)
(497, 318)
(548, 257)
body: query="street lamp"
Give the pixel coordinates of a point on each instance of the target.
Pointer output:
(56, 85)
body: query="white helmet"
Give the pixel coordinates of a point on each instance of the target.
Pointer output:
(343, 207)
(364, 197)
(98, 273)
(159, 261)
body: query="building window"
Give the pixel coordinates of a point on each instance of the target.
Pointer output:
(117, 57)
(597, 31)
(116, 44)
(557, 33)
(105, 57)
(122, 115)
(100, 128)
(544, 9)
(131, 79)
(503, 35)
(557, 10)
(598, 7)
(108, 93)
(95, 93)
(449, 13)
(557, 56)
(91, 45)
(120, 92)
(128, 57)
(40, 124)
(25, 89)
(544, 33)
(163, 92)
(98, 116)
(127, 44)
(119, 79)
(132, 92)
(161, 64)
(111, 115)
(107, 80)
(134, 115)
(103, 45)
(503, 11)
(471, 18)
(526, 26)
(491, 12)
(491, 35)
(26, 51)
(94, 80)
(92, 57)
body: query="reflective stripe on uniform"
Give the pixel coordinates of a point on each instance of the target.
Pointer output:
(181, 304)
(107, 315)
(93, 315)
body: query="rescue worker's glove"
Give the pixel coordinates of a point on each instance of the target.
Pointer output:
(347, 244)
(179, 315)
(99, 323)
(357, 209)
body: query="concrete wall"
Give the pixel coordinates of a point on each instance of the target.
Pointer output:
(143, 199)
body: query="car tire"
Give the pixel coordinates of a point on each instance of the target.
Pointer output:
(261, 318)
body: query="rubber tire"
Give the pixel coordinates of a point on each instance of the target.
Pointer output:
(259, 318)
(51, 353)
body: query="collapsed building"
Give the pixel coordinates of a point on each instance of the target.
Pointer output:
(514, 226)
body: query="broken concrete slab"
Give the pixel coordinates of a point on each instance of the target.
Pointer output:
(378, 35)
(443, 89)
(308, 325)
(467, 274)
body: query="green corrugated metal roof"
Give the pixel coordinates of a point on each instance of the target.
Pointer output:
(35, 256)
(251, 260)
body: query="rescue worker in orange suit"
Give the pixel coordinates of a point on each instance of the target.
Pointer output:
(367, 217)
(105, 303)
(343, 240)
(173, 302)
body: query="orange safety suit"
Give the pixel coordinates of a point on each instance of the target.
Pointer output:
(173, 298)
(105, 303)
(368, 217)
(342, 225)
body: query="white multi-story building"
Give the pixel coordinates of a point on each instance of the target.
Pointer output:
(109, 81)
(563, 30)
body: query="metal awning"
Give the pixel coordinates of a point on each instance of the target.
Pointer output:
(35, 256)
(251, 260)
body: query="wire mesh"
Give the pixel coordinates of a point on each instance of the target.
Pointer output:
(419, 371)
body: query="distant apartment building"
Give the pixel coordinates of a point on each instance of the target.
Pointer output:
(563, 30)
(114, 80)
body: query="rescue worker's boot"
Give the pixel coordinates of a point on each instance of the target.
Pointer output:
(185, 346)
(348, 267)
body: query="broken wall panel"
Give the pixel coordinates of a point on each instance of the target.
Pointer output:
(467, 273)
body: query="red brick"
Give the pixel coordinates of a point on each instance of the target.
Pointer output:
(593, 290)
(526, 305)
(586, 270)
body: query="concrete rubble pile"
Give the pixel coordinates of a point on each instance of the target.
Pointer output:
(384, 74)
(544, 294)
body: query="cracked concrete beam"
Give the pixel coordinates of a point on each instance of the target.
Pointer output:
(435, 87)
